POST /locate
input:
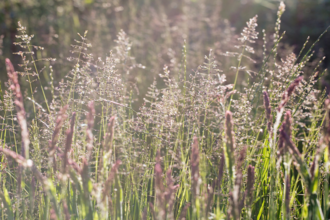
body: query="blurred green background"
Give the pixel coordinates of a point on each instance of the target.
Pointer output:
(156, 28)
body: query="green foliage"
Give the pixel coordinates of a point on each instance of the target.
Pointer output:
(198, 148)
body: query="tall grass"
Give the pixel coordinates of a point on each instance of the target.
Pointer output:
(198, 148)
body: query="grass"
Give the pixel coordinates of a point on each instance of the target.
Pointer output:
(198, 148)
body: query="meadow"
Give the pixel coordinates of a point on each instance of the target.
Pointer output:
(245, 134)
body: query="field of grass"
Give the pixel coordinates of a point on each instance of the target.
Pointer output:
(255, 146)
